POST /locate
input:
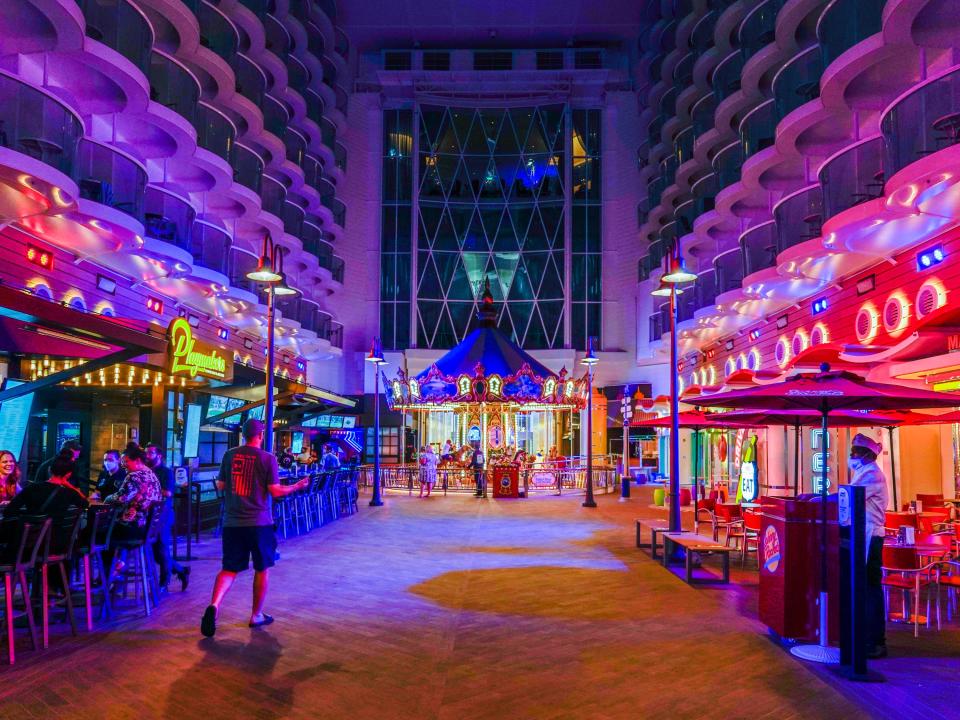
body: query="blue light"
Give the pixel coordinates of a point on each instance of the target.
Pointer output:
(938, 254)
(930, 257)
(819, 305)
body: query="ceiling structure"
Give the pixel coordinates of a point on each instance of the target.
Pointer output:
(374, 25)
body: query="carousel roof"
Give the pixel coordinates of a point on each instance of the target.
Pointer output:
(490, 348)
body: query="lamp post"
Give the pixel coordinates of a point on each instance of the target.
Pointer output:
(589, 360)
(669, 286)
(626, 408)
(375, 358)
(269, 271)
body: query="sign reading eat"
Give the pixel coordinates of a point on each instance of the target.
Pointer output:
(191, 357)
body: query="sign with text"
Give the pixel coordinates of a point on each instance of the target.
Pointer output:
(189, 357)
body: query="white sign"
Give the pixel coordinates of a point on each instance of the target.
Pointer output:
(14, 415)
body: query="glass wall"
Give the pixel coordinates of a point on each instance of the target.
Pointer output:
(585, 298)
(396, 223)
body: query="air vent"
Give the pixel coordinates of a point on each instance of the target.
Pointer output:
(929, 298)
(781, 352)
(894, 314)
(799, 344)
(818, 335)
(866, 324)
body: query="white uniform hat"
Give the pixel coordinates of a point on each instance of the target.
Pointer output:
(861, 440)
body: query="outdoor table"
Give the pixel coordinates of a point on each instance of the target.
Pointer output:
(751, 505)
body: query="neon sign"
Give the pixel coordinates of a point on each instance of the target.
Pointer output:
(191, 357)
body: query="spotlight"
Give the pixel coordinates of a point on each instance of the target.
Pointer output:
(930, 257)
(106, 284)
(248, 343)
(155, 305)
(223, 333)
(781, 322)
(755, 335)
(819, 305)
(42, 258)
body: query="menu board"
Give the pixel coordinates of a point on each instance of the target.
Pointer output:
(349, 421)
(296, 443)
(191, 431)
(217, 405)
(14, 415)
(256, 413)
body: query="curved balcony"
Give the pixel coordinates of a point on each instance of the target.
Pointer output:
(729, 269)
(314, 107)
(315, 43)
(289, 307)
(643, 269)
(215, 132)
(247, 168)
(216, 32)
(655, 327)
(298, 77)
(341, 44)
(292, 218)
(668, 170)
(339, 213)
(336, 269)
(703, 115)
(109, 177)
(336, 336)
(309, 315)
(922, 123)
(686, 305)
(272, 194)
(656, 253)
(704, 194)
(277, 39)
(173, 86)
(706, 289)
(726, 76)
(683, 72)
(664, 318)
(121, 27)
(758, 29)
(655, 188)
(727, 163)
(852, 177)
(312, 170)
(296, 146)
(757, 130)
(311, 236)
(168, 218)
(655, 128)
(35, 124)
(210, 247)
(797, 83)
(759, 248)
(844, 23)
(683, 145)
(668, 103)
(799, 217)
(239, 263)
(260, 8)
(340, 156)
(701, 37)
(251, 82)
(275, 116)
(328, 132)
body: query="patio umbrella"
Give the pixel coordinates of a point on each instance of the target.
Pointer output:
(826, 392)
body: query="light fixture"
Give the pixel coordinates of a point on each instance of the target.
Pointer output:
(867, 284)
(41, 258)
(755, 334)
(265, 271)
(781, 322)
(248, 343)
(665, 289)
(106, 284)
(930, 257)
(678, 272)
(591, 357)
(223, 333)
(375, 356)
(729, 345)
(194, 321)
(820, 305)
(155, 305)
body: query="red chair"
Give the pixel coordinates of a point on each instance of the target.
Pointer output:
(704, 513)
(895, 520)
(930, 500)
(930, 521)
(751, 536)
(728, 517)
(950, 577)
(902, 571)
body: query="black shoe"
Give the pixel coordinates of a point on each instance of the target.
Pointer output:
(208, 625)
(877, 653)
(267, 620)
(184, 577)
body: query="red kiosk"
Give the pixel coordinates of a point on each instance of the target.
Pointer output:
(506, 481)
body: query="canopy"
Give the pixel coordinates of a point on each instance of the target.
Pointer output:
(699, 420)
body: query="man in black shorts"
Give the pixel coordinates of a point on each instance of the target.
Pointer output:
(249, 479)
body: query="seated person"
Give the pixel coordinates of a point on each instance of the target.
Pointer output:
(139, 491)
(111, 474)
(55, 496)
(9, 476)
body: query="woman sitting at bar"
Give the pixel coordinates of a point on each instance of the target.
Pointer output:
(54, 497)
(9, 476)
(138, 492)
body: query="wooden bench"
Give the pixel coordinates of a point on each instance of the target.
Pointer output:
(647, 524)
(696, 544)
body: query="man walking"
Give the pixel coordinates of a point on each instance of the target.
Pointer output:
(477, 462)
(249, 479)
(163, 547)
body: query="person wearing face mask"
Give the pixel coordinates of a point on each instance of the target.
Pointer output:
(865, 472)
(163, 548)
(111, 474)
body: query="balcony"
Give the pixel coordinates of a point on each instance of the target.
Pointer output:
(729, 269)
(797, 83)
(656, 253)
(759, 247)
(668, 170)
(340, 155)
(686, 305)
(168, 218)
(336, 336)
(108, 177)
(342, 99)
(314, 107)
(251, 82)
(727, 163)
(701, 37)
(845, 23)
(328, 132)
(311, 237)
(668, 103)
(296, 146)
(664, 318)
(757, 129)
(655, 188)
(35, 124)
(336, 269)
(289, 307)
(309, 314)
(216, 32)
(298, 77)
(683, 72)
(120, 26)
(683, 145)
(248, 168)
(215, 132)
(292, 218)
(922, 123)
(706, 289)
(655, 128)
(260, 8)
(272, 194)
(758, 29)
(852, 177)
(704, 195)
(341, 44)
(655, 327)
(210, 247)
(312, 170)
(172, 86)
(239, 263)
(726, 76)
(275, 116)
(340, 213)
(704, 115)
(799, 217)
(643, 269)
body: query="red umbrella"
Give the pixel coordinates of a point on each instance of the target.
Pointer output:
(826, 392)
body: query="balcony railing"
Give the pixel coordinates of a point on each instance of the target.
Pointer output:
(35, 124)
(339, 213)
(923, 122)
(844, 23)
(216, 32)
(799, 217)
(683, 145)
(341, 44)
(797, 83)
(655, 327)
(210, 247)
(292, 218)
(757, 129)
(275, 118)
(706, 289)
(109, 177)
(298, 77)
(120, 26)
(686, 304)
(296, 146)
(248, 168)
(272, 194)
(215, 132)
(726, 76)
(727, 163)
(703, 115)
(173, 86)
(759, 246)
(239, 263)
(340, 156)
(314, 107)
(251, 82)
(312, 170)
(758, 29)
(854, 176)
(729, 268)
(336, 269)
(168, 218)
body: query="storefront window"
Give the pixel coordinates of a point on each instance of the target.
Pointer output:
(171, 444)
(213, 445)
(389, 444)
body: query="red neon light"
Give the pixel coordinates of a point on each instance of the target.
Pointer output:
(40, 257)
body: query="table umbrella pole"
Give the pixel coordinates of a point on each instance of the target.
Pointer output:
(796, 459)
(893, 471)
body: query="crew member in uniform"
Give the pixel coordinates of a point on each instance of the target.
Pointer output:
(477, 462)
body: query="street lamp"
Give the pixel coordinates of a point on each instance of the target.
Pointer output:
(677, 273)
(269, 271)
(589, 360)
(375, 358)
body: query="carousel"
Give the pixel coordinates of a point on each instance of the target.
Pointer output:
(487, 393)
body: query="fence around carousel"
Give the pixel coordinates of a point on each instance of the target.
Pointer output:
(536, 479)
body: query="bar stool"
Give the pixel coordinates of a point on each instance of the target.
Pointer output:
(56, 550)
(26, 535)
(139, 565)
(93, 539)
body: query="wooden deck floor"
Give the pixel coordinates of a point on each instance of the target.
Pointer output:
(457, 608)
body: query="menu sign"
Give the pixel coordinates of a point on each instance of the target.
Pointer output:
(190, 357)
(14, 415)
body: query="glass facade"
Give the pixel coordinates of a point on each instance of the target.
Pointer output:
(492, 203)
